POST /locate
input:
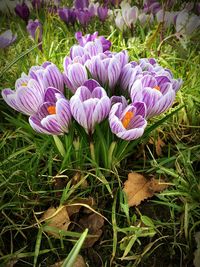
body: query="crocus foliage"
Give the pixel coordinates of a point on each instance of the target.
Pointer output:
(103, 85)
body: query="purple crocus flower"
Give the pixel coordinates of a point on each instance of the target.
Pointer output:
(7, 38)
(54, 115)
(106, 68)
(74, 75)
(68, 15)
(156, 92)
(81, 4)
(30, 89)
(26, 98)
(102, 12)
(90, 49)
(151, 6)
(84, 16)
(83, 40)
(128, 122)
(48, 75)
(90, 105)
(22, 11)
(34, 28)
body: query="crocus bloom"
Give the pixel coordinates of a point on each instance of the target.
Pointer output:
(68, 15)
(102, 12)
(34, 28)
(53, 116)
(7, 38)
(74, 75)
(119, 21)
(128, 122)
(186, 24)
(26, 98)
(129, 14)
(83, 40)
(151, 6)
(48, 75)
(30, 89)
(90, 105)
(156, 92)
(81, 4)
(106, 68)
(83, 16)
(22, 11)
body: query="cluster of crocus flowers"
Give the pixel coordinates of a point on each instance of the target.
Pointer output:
(102, 84)
(185, 21)
(82, 12)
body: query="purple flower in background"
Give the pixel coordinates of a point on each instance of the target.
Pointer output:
(151, 6)
(128, 122)
(74, 75)
(83, 40)
(34, 28)
(156, 92)
(22, 11)
(54, 115)
(90, 105)
(129, 14)
(7, 38)
(102, 12)
(68, 15)
(26, 98)
(83, 16)
(81, 4)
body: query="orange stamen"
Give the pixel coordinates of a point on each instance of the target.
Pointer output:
(157, 87)
(51, 110)
(127, 118)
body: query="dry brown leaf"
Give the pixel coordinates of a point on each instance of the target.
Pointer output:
(78, 263)
(94, 223)
(56, 217)
(77, 178)
(138, 188)
(72, 209)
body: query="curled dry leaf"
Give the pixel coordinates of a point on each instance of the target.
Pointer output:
(76, 205)
(138, 188)
(58, 218)
(78, 263)
(94, 222)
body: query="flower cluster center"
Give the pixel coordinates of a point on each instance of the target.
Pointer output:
(51, 110)
(127, 118)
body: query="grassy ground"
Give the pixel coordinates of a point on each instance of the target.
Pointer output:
(160, 231)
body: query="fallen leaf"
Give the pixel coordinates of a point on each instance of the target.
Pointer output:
(138, 188)
(78, 263)
(77, 178)
(56, 217)
(77, 204)
(94, 223)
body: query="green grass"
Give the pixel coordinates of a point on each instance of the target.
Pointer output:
(161, 229)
